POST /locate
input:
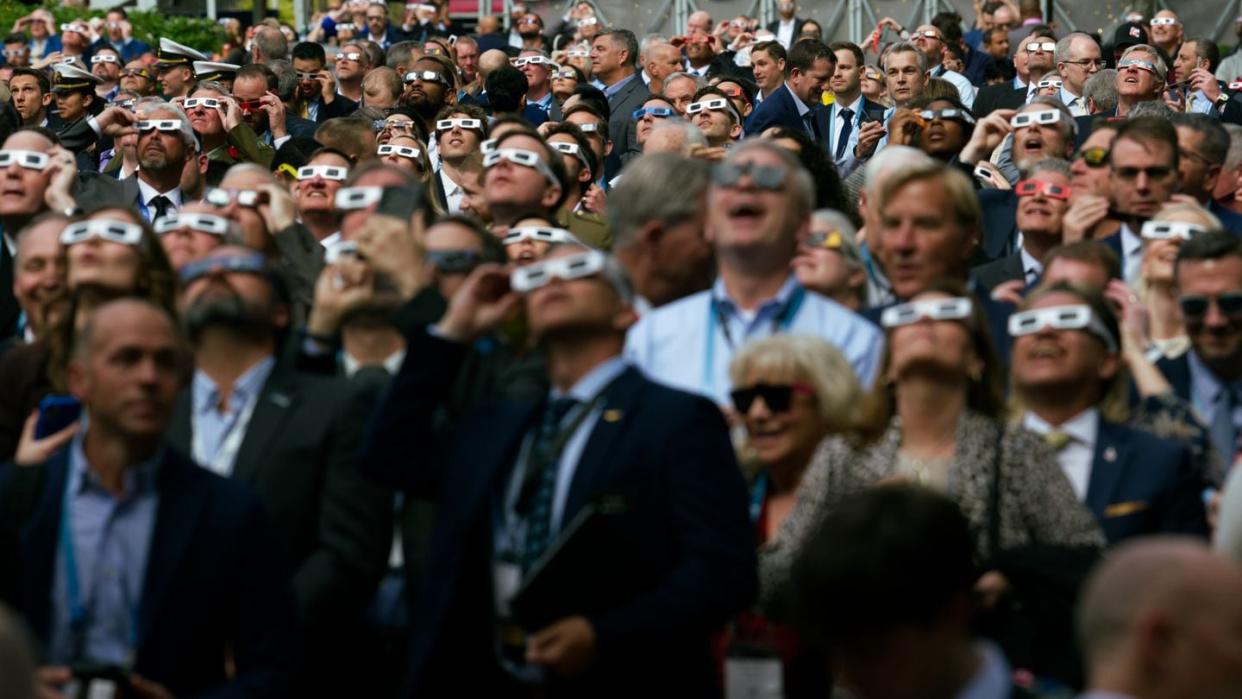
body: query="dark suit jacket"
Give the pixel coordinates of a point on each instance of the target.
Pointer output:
(621, 128)
(775, 25)
(1230, 220)
(994, 97)
(777, 109)
(666, 452)
(1000, 229)
(1177, 371)
(95, 190)
(300, 455)
(1141, 484)
(997, 272)
(10, 311)
(211, 587)
(341, 106)
(298, 127)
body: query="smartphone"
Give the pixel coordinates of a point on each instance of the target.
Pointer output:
(55, 414)
(400, 202)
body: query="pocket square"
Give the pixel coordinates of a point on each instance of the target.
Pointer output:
(1121, 509)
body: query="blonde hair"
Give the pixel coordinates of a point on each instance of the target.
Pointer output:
(1188, 212)
(809, 359)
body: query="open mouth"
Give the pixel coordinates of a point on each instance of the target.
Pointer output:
(746, 212)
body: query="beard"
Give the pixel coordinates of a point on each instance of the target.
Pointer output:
(226, 308)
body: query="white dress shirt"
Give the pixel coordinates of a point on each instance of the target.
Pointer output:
(453, 193)
(1031, 267)
(146, 193)
(1076, 457)
(1077, 104)
(1131, 255)
(785, 32)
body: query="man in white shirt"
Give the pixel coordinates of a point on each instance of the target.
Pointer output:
(931, 43)
(788, 26)
(1078, 58)
(466, 128)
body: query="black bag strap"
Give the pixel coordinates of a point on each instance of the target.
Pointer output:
(20, 496)
(994, 496)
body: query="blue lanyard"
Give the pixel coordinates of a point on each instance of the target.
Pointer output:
(715, 316)
(758, 492)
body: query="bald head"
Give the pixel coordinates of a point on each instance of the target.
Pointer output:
(491, 60)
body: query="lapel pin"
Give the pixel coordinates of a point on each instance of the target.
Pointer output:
(1110, 454)
(281, 400)
(612, 415)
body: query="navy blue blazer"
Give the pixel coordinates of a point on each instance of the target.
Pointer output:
(1177, 372)
(691, 561)
(778, 109)
(1000, 228)
(212, 584)
(1141, 484)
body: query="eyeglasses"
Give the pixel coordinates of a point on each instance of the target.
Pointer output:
(933, 309)
(565, 75)
(230, 264)
(488, 146)
(526, 279)
(567, 148)
(1158, 172)
(578, 53)
(532, 61)
(245, 198)
(1045, 46)
(528, 20)
(1089, 62)
(947, 114)
(351, 56)
(1047, 116)
(125, 104)
(327, 172)
(520, 156)
(206, 102)
(698, 39)
(1094, 157)
(716, 105)
(136, 73)
(167, 125)
(1033, 188)
(104, 58)
(448, 124)
(427, 76)
(1061, 318)
(1138, 64)
(1164, 22)
(204, 223)
(307, 77)
(13, 53)
(777, 397)
(28, 159)
(1195, 306)
(653, 112)
(403, 151)
(249, 106)
(381, 124)
(104, 229)
(1049, 82)
(927, 34)
(539, 235)
(452, 261)
(769, 177)
(591, 128)
(350, 198)
(1167, 230)
(831, 240)
(588, 21)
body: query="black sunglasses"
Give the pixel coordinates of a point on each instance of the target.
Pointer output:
(453, 261)
(1195, 306)
(762, 176)
(777, 397)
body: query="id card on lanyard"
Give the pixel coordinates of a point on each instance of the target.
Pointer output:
(716, 319)
(221, 462)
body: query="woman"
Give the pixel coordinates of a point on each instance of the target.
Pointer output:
(530, 236)
(935, 417)
(790, 392)
(565, 80)
(949, 126)
(409, 153)
(119, 257)
(873, 86)
(829, 262)
(1157, 288)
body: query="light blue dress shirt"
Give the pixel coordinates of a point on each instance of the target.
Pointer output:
(684, 344)
(110, 539)
(614, 88)
(1204, 389)
(208, 425)
(991, 681)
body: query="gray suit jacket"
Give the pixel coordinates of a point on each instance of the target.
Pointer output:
(997, 272)
(621, 128)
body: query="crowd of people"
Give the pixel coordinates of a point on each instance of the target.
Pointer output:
(379, 358)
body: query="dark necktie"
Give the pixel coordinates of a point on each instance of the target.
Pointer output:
(846, 130)
(1223, 432)
(539, 481)
(160, 204)
(808, 120)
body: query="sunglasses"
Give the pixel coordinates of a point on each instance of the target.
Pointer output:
(532, 61)
(245, 264)
(1040, 118)
(520, 156)
(488, 146)
(589, 128)
(1137, 64)
(125, 104)
(1163, 22)
(579, 53)
(351, 198)
(538, 234)
(1062, 318)
(250, 106)
(653, 112)
(381, 124)
(351, 56)
(29, 159)
(938, 309)
(203, 223)
(427, 76)
(139, 73)
(13, 53)
(167, 125)
(777, 397)
(327, 172)
(307, 77)
(403, 151)
(247, 198)
(1094, 157)
(452, 261)
(526, 279)
(1033, 188)
(926, 34)
(717, 105)
(947, 114)
(342, 248)
(1046, 46)
(112, 231)
(1049, 82)
(1167, 230)
(1159, 172)
(206, 102)
(564, 75)
(1195, 306)
(830, 240)
(587, 21)
(448, 124)
(769, 177)
(104, 58)
(698, 39)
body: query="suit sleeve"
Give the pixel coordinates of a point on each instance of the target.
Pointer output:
(243, 138)
(716, 576)
(1183, 511)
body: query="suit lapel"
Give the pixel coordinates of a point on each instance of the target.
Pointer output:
(1107, 465)
(175, 522)
(181, 428)
(595, 465)
(39, 542)
(275, 404)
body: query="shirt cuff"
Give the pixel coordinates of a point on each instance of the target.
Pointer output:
(278, 142)
(94, 126)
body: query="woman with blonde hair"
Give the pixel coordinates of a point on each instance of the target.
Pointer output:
(1163, 236)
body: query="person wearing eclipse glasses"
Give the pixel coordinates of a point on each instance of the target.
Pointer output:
(218, 120)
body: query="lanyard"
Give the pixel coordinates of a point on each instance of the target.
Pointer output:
(716, 316)
(758, 492)
(222, 460)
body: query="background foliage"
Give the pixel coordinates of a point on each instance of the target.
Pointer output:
(198, 32)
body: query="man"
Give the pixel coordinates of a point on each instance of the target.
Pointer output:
(996, 44)
(614, 58)
(1166, 33)
(716, 117)
(352, 65)
(43, 38)
(930, 41)
(1133, 482)
(699, 22)
(767, 65)
(1230, 180)
(137, 78)
(75, 40)
(788, 25)
(905, 74)
(176, 74)
(538, 71)
(25, 193)
(855, 122)
(315, 194)
(701, 59)
(579, 631)
(457, 140)
(32, 96)
(224, 136)
(758, 208)
(663, 59)
(16, 52)
(513, 188)
(679, 89)
(37, 272)
(291, 437)
(1208, 275)
(468, 63)
(268, 44)
(382, 88)
(659, 239)
(316, 97)
(255, 90)
(429, 87)
(1100, 93)
(1043, 198)
(1204, 146)
(106, 65)
(194, 232)
(1140, 77)
(795, 105)
(1195, 67)
(1151, 596)
(119, 36)
(378, 28)
(190, 549)
(530, 29)
(1033, 59)
(886, 588)
(1078, 58)
(162, 156)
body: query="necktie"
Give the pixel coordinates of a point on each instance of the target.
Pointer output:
(160, 206)
(808, 120)
(1057, 439)
(1224, 433)
(846, 130)
(539, 481)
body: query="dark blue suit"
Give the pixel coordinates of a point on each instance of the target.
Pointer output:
(1230, 220)
(688, 564)
(1000, 228)
(211, 583)
(778, 109)
(1141, 484)
(1177, 372)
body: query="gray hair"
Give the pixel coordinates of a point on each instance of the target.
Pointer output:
(1162, 68)
(1234, 158)
(271, 43)
(1152, 108)
(400, 52)
(255, 168)
(699, 83)
(642, 195)
(691, 135)
(286, 77)
(887, 160)
(1066, 45)
(906, 47)
(1057, 165)
(803, 186)
(1216, 141)
(147, 108)
(1069, 127)
(1101, 89)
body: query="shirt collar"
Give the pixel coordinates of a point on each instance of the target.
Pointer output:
(139, 478)
(451, 188)
(594, 381)
(1204, 383)
(612, 89)
(1131, 244)
(803, 109)
(721, 296)
(148, 193)
(992, 677)
(331, 240)
(1083, 427)
(206, 395)
(1030, 264)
